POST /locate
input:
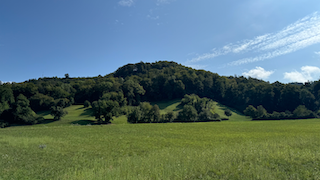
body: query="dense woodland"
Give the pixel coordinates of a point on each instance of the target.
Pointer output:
(147, 82)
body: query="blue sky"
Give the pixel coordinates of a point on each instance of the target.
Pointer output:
(268, 39)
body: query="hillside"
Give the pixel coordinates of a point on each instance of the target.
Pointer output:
(153, 82)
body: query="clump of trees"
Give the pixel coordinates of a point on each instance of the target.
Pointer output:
(260, 113)
(145, 113)
(195, 109)
(19, 113)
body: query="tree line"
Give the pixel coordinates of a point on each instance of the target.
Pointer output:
(147, 82)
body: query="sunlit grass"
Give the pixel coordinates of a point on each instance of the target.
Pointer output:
(214, 150)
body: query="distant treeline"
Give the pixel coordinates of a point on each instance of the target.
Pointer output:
(135, 83)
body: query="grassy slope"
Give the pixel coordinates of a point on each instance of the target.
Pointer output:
(77, 114)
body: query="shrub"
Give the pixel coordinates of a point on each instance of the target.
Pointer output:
(86, 103)
(227, 112)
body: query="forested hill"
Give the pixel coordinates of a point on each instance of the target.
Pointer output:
(133, 83)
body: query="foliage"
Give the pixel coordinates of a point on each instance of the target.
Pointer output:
(57, 112)
(144, 113)
(260, 113)
(188, 114)
(22, 112)
(227, 112)
(105, 109)
(302, 112)
(206, 115)
(86, 103)
(250, 111)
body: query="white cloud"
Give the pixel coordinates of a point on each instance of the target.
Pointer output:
(126, 3)
(317, 53)
(159, 2)
(308, 73)
(301, 34)
(258, 73)
(3, 82)
(195, 66)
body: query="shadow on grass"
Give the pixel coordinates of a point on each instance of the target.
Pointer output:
(223, 107)
(178, 108)
(84, 122)
(164, 104)
(87, 112)
(80, 108)
(47, 121)
(43, 113)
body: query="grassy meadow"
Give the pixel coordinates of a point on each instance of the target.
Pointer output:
(233, 149)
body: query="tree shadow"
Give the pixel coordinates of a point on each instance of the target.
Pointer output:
(223, 107)
(84, 122)
(87, 112)
(178, 108)
(47, 121)
(80, 108)
(43, 113)
(164, 104)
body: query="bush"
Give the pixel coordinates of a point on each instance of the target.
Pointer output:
(86, 103)
(3, 124)
(206, 115)
(216, 116)
(188, 114)
(302, 112)
(227, 112)
(250, 111)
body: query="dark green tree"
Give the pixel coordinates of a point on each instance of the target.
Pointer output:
(205, 115)
(227, 112)
(302, 112)
(155, 114)
(135, 116)
(105, 109)
(133, 91)
(86, 103)
(22, 111)
(170, 117)
(250, 111)
(261, 111)
(188, 114)
(57, 112)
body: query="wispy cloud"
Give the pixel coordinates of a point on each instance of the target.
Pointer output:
(301, 34)
(317, 53)
(127, 3)
(152, 17)
(159, 2)
(307, 73)
(259, 73)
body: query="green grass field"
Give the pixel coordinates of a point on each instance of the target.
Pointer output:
(234, 149)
